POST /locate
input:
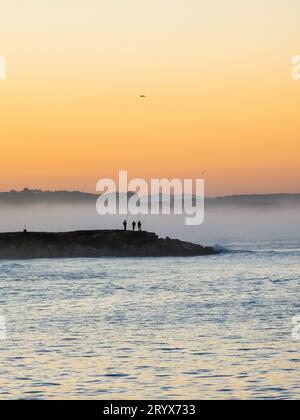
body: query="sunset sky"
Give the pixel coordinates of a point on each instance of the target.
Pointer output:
(217, 75)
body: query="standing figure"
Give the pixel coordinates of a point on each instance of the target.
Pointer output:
(125, 225)
(140, 226)
(133, 226)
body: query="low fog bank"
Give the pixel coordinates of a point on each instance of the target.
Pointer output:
(221, 224)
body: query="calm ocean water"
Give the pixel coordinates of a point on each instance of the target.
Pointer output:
(210, 327)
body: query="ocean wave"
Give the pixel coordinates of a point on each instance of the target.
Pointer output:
(224, 250)
(266, 252)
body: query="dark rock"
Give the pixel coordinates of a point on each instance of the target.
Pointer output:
(95, 244)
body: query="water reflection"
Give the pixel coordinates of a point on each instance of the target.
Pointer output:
(215, 327)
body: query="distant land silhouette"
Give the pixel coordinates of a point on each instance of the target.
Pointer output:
(29, 197)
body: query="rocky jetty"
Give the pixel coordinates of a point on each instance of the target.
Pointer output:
(95, 244)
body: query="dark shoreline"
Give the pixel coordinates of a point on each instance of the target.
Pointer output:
(95, 244)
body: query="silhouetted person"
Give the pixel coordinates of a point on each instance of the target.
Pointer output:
(133, 226)
(125, 225)
(140, 225)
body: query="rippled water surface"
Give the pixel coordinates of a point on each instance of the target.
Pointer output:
(210, 327)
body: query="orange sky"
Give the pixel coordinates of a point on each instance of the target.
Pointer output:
(217, 75)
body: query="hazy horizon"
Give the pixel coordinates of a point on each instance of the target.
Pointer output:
(222, 222)
(94, 193)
